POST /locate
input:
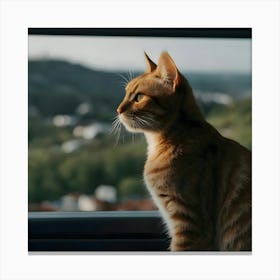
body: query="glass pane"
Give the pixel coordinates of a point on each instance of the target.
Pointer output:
(75, 84)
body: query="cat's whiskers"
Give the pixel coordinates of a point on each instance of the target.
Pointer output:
(143, 123)
(148, 121)
(115, 124)
(125, 80)
(148, 117)
(116, 129)
(131, 74)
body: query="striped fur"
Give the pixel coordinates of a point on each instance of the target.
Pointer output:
(200, 181)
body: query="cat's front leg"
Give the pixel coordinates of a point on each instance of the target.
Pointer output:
(187, 237)
(181, 241)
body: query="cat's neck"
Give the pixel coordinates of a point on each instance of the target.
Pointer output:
(191, 133)
(153, 139)
(158, 142)
(189, 107)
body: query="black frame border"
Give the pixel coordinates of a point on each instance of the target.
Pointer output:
(147, 32)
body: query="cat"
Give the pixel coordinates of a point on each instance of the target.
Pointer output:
(199, 180)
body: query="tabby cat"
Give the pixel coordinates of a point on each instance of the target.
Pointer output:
(199, 180)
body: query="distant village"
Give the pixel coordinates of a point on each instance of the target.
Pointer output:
(84, 128)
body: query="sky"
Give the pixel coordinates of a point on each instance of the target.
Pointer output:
(127, 53)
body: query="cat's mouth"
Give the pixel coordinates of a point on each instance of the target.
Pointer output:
(129, 121)
(134, 123)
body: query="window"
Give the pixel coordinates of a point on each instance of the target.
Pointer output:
(76, 80)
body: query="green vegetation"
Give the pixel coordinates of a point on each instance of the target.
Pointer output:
(234, 121)
(53, 173)
(132, 187)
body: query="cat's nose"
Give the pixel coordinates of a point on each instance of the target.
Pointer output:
(121, 109)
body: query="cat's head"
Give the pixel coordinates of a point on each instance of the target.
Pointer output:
(153, 99)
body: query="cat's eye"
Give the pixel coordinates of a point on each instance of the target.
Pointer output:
(138, 97)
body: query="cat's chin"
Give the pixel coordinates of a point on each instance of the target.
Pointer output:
(132, 128)
(130, 125)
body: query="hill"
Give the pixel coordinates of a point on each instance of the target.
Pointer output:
(58, 87)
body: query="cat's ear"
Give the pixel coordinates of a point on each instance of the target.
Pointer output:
(151, 66)
(167, 70)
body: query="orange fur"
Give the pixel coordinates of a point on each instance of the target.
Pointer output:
(200, 181)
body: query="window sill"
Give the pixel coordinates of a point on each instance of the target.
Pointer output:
(96, 231)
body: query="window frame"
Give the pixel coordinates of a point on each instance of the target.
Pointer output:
(147, 32)
(96, 231)
(110, 231)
